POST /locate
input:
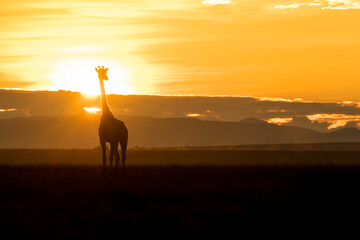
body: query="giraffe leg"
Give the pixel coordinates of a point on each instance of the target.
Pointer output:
(123, 143)
(111, 157)
(117, 157)
(103, 148)
(123, 159)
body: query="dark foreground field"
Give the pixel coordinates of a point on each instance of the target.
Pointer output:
(59, 202)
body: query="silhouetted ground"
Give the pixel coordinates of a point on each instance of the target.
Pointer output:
(92, 157)
(62, 202)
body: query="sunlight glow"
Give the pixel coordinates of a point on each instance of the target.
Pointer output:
(78, 74)
(92, 110)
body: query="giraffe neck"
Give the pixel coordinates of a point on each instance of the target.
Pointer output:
(104, 104)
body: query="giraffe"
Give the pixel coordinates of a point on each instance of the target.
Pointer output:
(111, 130)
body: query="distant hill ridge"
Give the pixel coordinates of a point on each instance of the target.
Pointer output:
(81, 132)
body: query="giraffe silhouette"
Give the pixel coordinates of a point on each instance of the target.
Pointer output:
(111, 130)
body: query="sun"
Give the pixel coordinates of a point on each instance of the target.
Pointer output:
(78, 74)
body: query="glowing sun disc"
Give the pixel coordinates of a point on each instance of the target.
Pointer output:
(78, 74)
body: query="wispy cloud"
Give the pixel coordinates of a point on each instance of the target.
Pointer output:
(279, 121)
(194, 115)
(324, 4)
(7, 110)
(10, 80)
(214, 2)
(336, 120)
(320, 121)
(207, 47)
(272, 99)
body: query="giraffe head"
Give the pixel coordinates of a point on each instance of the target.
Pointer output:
(102, 73)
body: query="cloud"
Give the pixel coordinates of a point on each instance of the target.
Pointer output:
(242, 50)
(34, 12)
(279, 121)
(15, 59)
(321, 122)
(324, 4)
(272, 99)
(292, 5)
(194, 115)
(335, 120)
(13, 113)
(15, 84)
(305, 122)
(322, 117)
(7, 110)
(314, 115)
(215, 2)
(10, 80)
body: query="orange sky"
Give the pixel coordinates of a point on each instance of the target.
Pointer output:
(289, 49)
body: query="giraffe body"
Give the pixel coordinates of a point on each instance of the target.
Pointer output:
(111, 130)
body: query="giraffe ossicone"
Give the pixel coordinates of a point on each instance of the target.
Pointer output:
(102, 73)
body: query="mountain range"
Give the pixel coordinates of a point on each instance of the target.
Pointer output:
(80, 131)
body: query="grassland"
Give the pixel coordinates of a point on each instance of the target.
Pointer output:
(92, 157)
(58, 194)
